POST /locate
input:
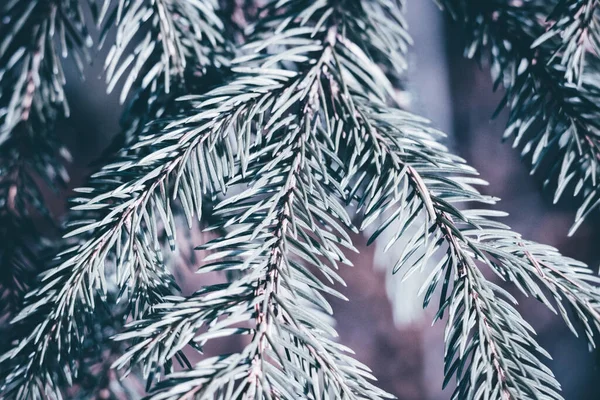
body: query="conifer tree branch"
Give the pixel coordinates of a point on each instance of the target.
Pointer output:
(505, 254)
(302, 99)
(551, 120)
(178, 33)
(126, 209)
(183, 42)
(501, 340)
(182, 49)
(574, 25)
(114, 233)
(478, 241)
(33, 36)
(307, 120)
(277, 291)
(32, 78)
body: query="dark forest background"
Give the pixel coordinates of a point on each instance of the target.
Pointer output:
(456, 94)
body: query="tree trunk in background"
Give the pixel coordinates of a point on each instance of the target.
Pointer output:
(431, 97)
(395, 354)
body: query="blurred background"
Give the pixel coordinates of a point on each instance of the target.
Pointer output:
(397, 340)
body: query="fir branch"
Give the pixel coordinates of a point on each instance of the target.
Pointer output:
(32, 78)
(276, 227)
(551, 120)
(513, 258)
(575, 27)
(80, 274)
(501, 339)
(183, 42)
(419, 179)
(304, 124)
(183, 50)
(300, 107)
(33, 34)
(510, 263)
(68, 291)
(178, 33)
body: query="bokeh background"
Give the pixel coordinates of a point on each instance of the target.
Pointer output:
(398, 342)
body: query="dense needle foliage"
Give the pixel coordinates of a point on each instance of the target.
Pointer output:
(278, 126)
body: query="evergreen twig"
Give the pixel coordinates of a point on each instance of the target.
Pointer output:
(306, 125)
(552, 121)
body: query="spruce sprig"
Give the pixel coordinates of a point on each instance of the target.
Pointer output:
(305, 129)
(577, 33)
(182, 43)
(392, 163)
(551, 120)
(78, 277)
(490, 348)
(183, 47)
(34, 36)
